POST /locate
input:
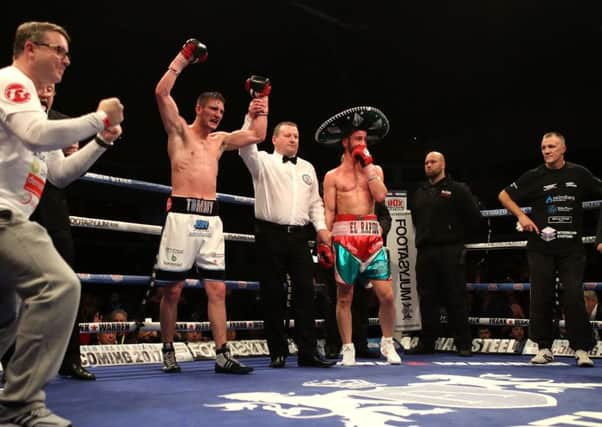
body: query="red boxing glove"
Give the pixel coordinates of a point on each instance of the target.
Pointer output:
(258, 86)
(192, 52)
(361, 154)
(325, 256)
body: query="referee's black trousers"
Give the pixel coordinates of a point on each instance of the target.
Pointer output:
(281, 251)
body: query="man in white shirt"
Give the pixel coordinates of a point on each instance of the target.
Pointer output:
(287, 204)
(30, 266)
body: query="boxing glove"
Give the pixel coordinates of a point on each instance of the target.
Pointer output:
(325, 256)
(361, 155)
(258, 86)
(192, 52)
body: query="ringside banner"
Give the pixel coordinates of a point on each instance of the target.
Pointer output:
(402, 251)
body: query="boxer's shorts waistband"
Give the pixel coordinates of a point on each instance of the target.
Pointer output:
(192, 205)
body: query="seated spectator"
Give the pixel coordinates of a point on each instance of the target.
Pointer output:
(519, 334)
(106, 338)
(195, 336)
(485, 332)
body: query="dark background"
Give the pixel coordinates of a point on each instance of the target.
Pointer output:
(480, 81)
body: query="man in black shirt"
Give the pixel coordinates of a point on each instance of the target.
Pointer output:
(444, 211)
(555, 191)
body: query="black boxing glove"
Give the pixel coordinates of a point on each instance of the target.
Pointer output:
(192, 52)
(361, 155)
(258, 86)
(325, 256)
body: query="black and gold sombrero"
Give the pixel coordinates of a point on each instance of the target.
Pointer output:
(370, 119)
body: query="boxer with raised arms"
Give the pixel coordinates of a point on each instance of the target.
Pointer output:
(193, 232)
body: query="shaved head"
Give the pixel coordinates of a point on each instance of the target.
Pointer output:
(434, 166)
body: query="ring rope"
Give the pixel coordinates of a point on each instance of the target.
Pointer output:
(106, 279)
(510, 286)
(132, 227)
(243, 200)
(514, 244)
(158, 188)
(488, 213)
(126, 327)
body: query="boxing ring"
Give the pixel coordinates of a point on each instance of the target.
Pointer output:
(497, 386)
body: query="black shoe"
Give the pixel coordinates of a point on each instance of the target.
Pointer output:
(366, 353)
(332, 351)
(464, 352)
(170, 364)
(77, 372)
(226, 364)
(421, 349)
(278, 362)
(314, 361)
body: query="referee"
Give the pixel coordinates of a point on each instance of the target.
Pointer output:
(287, 204)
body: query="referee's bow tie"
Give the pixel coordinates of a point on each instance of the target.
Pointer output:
(292, 159)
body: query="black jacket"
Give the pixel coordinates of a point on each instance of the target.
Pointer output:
(444, 213)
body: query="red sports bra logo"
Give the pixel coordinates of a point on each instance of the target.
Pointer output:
(17, 93)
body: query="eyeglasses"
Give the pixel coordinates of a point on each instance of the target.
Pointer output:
(60, 50)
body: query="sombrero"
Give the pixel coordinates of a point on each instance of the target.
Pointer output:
(370, 119)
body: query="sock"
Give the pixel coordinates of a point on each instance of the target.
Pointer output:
(222, 355)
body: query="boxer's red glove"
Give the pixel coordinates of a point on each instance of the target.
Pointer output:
(258, 86)
(325, 256)
(361, 154)
(192, 52)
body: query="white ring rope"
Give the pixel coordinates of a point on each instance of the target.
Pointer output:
(157, 188)
(132, 227)
(229, 198)
(127, 327)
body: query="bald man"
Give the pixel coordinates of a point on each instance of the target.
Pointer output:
(555, 191)
(444, 213)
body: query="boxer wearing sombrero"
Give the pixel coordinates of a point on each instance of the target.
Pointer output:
(350, 191)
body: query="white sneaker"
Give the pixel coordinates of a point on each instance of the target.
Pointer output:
(543, 356)
(583, 360)
(348, 353)
(387, 349)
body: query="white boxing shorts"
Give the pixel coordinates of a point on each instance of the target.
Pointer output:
(190, 239)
